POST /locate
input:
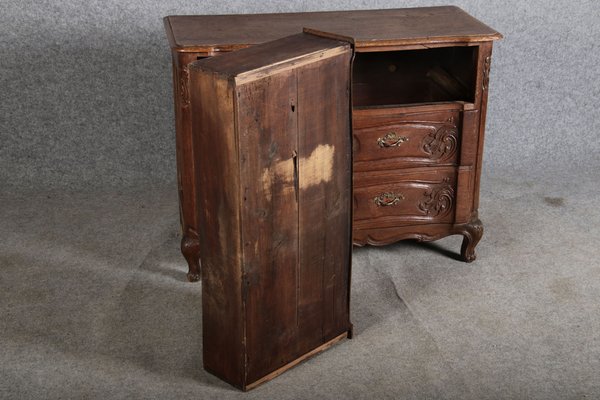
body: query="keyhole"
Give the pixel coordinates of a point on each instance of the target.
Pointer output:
(293, 108)
(295, 160)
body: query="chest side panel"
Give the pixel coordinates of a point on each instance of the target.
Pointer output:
(268, 144)
(325, 168)
(215, 145)
(295, 155)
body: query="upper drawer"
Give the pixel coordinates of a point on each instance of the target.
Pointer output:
(406, 139)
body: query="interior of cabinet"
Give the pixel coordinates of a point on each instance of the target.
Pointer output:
(394, 78)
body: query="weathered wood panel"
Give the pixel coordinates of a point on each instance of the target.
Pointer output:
(274, 152)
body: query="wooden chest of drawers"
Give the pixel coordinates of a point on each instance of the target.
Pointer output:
(419, 89)
(419, 82)
(418, 120)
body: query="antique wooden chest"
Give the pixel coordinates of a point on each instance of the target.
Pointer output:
(419, 98)
(366, 129)
(271, 131)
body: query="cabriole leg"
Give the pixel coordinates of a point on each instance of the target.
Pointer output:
(472, 232)
(190, 247)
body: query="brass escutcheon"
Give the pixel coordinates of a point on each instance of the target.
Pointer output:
(391, 140)
(388, 199)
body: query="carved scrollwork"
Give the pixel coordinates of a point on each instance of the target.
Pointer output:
(486, 72)
(471, 232)
(442, 143)
(439, 200)
(184, 89)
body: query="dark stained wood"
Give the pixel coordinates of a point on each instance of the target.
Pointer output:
(397, 181)
(219, 199)
(266, 125)
(285, 53)
(483, 75)
(186, 168)
(366, 28)
(414, 76)
(466, 172)
(471, 231)
(392, 28)
(265, 168)
(410, 196)
(406, 137)
(470, 134)
(418, 60)
(274, 157)
(324, 151)
(464, 194)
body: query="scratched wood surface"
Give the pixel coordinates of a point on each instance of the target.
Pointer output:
(268, 141)
(274, 151)
(417, 57)
(325, 170)
(219, 202)
(366, 28)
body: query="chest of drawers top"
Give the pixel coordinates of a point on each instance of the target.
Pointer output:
(368, 30)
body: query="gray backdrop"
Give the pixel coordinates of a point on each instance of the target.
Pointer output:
(93, 298)
(86, 87)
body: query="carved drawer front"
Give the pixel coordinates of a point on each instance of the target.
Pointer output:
(409, 139)
(417, 196)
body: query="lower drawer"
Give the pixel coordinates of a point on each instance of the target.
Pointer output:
(408, 197)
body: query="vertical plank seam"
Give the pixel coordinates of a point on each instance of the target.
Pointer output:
(298, 231)
(350, 228)
(324, 309)
(241, 229)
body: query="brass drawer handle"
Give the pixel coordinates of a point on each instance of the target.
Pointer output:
(388, 199)
(391, 140)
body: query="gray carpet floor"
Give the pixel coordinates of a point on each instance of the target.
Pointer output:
(94, 304)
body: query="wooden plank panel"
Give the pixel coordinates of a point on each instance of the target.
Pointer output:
(339, 206)
(366, 28)
(269, 58)
(268, 142)
(464, 194)
(220, 249)
(325, 189)
(282, 288)
(381, 28)
(470, 137)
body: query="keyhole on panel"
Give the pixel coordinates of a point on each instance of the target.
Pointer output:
(296, 183)
(293, 108)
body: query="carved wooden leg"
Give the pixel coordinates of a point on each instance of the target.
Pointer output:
(472, 232)
(186, 172)
(190, 247)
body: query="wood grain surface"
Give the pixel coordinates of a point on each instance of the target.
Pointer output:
(365, 28)
(274, 155)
